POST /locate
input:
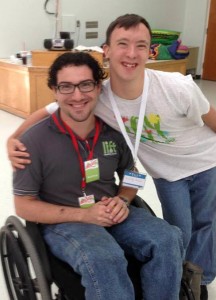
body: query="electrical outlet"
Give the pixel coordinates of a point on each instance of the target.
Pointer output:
(78, 23)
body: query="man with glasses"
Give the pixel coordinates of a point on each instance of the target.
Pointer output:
(69, 188)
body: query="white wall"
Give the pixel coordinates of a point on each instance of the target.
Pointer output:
(22, 21)
(106, 11)
(25, 21)
(195, 24)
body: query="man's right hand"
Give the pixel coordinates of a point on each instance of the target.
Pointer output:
(17, 153)
(97, 214)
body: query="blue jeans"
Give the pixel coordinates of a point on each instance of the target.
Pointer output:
(97, 254)
(190, 204)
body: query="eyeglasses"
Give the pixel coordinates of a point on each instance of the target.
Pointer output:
(83, 86)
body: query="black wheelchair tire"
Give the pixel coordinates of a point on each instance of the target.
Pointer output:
(39, 282)
(15, 268)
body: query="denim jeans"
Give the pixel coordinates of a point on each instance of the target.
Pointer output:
(190, 204)
(97, 254)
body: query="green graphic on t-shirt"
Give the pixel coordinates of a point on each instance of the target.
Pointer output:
(151, 129)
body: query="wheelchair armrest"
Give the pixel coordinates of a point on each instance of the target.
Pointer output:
(139, 202)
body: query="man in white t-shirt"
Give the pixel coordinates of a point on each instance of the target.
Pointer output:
(178, 141)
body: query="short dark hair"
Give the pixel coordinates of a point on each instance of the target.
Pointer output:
(75, 59)
(126, 21)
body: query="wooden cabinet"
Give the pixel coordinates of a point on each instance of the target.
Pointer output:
(192, 61)
(40, 93)
(23, 89)
(14, 88)
(168, 65)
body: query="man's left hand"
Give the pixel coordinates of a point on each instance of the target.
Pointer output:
(117, 208)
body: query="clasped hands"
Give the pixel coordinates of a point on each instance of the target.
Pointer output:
(108, 212)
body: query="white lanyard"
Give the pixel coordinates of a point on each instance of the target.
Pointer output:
(133, 149)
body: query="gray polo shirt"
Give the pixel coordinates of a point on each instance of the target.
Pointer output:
(54, 174)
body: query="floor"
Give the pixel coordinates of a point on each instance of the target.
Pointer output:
(10, 122)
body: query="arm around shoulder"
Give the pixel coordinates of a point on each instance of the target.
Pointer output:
(17, 150)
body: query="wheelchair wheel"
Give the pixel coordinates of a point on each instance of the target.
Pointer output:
(24, 276)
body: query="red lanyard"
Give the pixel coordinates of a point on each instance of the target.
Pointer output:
(64, 129)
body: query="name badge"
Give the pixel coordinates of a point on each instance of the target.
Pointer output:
(134, 179)
(86, 201)
(91, 170)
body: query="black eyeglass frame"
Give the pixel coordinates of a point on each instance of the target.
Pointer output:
(79, 85)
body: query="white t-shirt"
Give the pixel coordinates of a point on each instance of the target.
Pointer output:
(175, 143)
(52, 107)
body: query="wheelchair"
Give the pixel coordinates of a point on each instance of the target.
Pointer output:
(31, 272)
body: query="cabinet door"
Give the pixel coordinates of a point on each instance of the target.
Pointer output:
(14, 89)
(41, 94)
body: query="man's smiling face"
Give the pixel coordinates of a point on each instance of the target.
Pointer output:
(128, 51)
(76, 106)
